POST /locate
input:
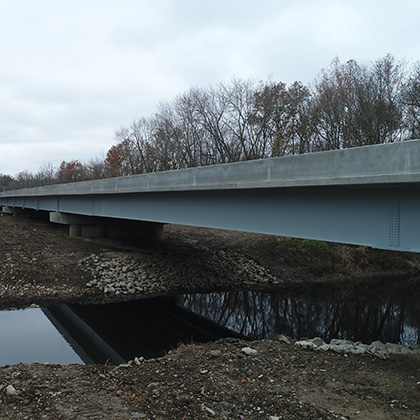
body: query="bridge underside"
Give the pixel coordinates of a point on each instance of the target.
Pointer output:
(377, 216)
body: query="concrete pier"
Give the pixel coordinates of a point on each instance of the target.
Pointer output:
(15, 212)
(100, 227)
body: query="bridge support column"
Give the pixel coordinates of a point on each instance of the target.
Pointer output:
(75, 230)
(99, 227)
(135, 229)
(87, 231)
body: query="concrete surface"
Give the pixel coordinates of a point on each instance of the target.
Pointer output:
(378, 164)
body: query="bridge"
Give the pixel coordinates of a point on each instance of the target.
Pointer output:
(366, 196)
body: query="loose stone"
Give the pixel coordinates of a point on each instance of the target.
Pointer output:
(377, 348)
(10, 390)
(215, 353)
(249, 351)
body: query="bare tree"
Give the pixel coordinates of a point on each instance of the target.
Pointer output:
(46, 175)
(7, 182)
(25, 179)
(281, 115)
(411, 101)
(380, 98)
(211, 106)
(95, 168)
(327, 111)
(244, 139)
(168, 140)
(194, 143)
(142, 134)
(356, 105)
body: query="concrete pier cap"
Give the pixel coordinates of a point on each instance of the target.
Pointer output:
(22, 212)
(13, 211)
(100, 227)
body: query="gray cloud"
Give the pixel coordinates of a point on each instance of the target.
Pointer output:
(73, 72)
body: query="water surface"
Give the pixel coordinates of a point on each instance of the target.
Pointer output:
(256, 314)
(28, 336)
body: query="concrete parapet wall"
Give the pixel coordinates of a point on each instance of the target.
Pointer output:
(377, 164)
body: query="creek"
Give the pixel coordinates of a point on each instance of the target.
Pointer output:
(119, 332)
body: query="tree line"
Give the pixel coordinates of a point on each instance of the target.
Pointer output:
(348, 104)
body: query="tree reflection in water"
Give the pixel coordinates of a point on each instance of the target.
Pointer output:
(255, 314)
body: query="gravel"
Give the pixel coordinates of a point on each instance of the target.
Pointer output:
(153, 274)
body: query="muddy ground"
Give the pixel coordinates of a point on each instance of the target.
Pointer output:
(41, 264)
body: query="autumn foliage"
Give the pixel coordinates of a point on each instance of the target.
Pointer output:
(72, 171)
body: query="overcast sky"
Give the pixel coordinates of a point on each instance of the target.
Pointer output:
(73, 71)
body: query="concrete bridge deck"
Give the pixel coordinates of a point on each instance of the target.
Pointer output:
(368, 196)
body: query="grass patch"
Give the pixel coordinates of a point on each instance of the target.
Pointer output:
(315, 245)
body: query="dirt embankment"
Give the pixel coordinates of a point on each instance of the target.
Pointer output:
(218, 381)
(41, 264)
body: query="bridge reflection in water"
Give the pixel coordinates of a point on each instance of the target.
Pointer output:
(123, 331)
(256, 314)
